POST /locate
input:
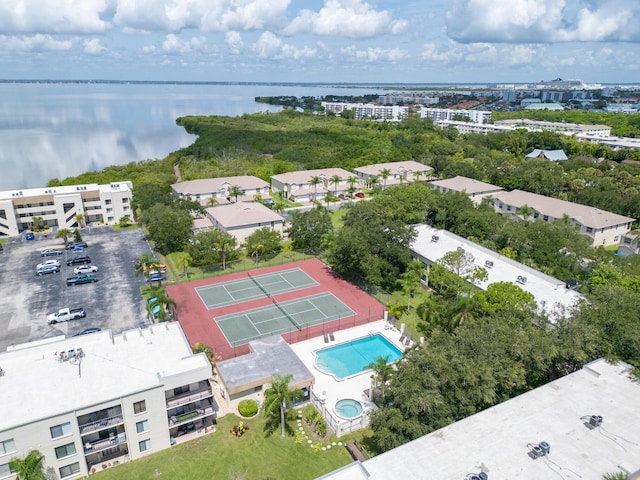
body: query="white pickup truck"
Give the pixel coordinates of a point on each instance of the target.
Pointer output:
(65, 314)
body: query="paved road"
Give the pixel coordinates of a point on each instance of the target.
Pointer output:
(114, 302)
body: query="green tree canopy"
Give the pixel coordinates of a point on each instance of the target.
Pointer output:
(278, 398)
(307, 228)
(264, 241)
(169, 227)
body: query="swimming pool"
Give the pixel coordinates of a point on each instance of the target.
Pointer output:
(348, 408)
(351, 358)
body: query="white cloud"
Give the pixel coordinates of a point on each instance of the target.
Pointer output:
(60, 16)
(346, 18)
(270, 46)
(234, 40)
(543, 21)
(35, 43)
(206, 15)
(94, 47)
(375, 54)
(174, 45)
(483, 54)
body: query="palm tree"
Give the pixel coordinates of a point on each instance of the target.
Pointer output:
(164, 301)
(236, 192)
(314, 182)
(416, 175)
(385, 173)
(64, 234)
(223, 245)
(257, 198)
(80, 219)
(351, 190)
(352, 180)
(526, 212)
(30, 467)
(212, 202)
(410, 280)
(279, 206)
(208, 351)
(37, 222)
(373, 181)
(335, 180)
(185, 260)
(145, 263)
(256, 251)
(278, 397)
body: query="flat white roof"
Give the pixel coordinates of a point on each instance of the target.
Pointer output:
(39, 192)
(550, 293)
(37, 385)
(497, 440)
(243, 213)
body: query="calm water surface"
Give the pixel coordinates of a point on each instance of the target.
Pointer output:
(56, 130)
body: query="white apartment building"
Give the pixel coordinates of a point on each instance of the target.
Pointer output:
(476, 189)
(439, 114)
(91, 400)
(59, 206)
(601, 227)
(470, 127)
(297, 187)
(241, 219)
(399, 172)
(218, 189)
(393, 113)
(560, 127)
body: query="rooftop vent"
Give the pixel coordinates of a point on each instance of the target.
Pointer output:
(435, 238)
(477, 476)
(522, 280)
(592, 421)
(539, 450)
(488, 263)
(460, 249)
(571, 283)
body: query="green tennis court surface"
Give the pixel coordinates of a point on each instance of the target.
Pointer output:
(242, 327)
(255, 286)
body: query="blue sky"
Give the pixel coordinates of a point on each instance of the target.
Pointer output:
(363, 41)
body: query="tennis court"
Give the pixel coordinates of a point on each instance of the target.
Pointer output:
(254, 286)
(242, 327)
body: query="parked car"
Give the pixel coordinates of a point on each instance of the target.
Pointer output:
(45, 269)
(65, 314)
(342, 196)
(360, 195)
(72, 245)
(79, 259)
(85, 269)
(29, 236)
(51, 252)
(87, 330)
(80, 279)
(53, 262)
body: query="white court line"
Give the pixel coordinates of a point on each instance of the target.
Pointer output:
(243, 339)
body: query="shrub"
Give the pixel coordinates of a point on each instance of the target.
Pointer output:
(248, 408)
(321, 428)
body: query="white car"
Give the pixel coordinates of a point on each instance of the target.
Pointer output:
(55, 263)
(85, 269)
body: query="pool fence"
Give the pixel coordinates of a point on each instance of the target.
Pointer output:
(341, 426)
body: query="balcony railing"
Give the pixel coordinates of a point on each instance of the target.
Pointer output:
(176, 420)
(189, 397)
(93, 447)
(100, 424)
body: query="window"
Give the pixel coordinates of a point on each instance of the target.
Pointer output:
(616, 238)
(110, 219)
(66, 450)
(545, 218)
(109, 210)
(5, 471)
(125, 200)
(180, 390)
(140, 407)
(61, 430)
(508, 208)
(589, 230)
(142, 426)
(7, 446)
(125, 209)
(107, 202)
(145, 445)
(69, 470)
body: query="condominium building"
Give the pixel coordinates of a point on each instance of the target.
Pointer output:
(100, 399)
(476, 189)
(438, 114)
(471, 127)
(59, 207)
(601, 227)
(369, 110)
(398, 172)
(216, 190)
(560, 127)
(299, 186)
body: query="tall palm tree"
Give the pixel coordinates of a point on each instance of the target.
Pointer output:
(30, 467)
(64, 234)
(235, 192)
(279, 206)
(335, 180)
(410, 280)
(314, 182)
(185, 260)
(145, 263)
(212, 202)
(416, 175)
(208, 351)
(384, 174)
(352, 180)
(256, 251)
(278, 397)
(373, 181)
(223, 245)
(257, 198)
(164, 301)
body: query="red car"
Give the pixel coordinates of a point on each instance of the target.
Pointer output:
(360, 195)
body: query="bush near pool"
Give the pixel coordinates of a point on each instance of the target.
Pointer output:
(248, 408)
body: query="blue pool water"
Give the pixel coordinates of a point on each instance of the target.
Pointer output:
(350, 358)
(348, 408)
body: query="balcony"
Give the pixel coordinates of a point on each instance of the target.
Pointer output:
(189, 397)
(104, 444)
(101, 424)
(197, 413)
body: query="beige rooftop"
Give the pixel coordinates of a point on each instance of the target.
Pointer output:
(395, 167)
(555, 208)
(214, 185)
(243, 213)
(466, 184)
(302, 177)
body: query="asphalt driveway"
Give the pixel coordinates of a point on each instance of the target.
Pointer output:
(114, 302)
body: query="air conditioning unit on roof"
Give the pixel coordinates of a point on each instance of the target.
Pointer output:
(435, 238)
(488, 263)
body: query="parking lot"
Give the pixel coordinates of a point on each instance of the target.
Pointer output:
(114, 302)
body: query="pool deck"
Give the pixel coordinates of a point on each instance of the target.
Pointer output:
(352, 387)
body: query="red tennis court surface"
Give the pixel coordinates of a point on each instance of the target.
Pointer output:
(199, 326)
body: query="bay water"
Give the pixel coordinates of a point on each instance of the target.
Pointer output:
(57, 130)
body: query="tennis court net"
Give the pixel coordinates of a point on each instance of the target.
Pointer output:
(258, 284)
(297, 325)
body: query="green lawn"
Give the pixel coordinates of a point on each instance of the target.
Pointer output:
(254, 456)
